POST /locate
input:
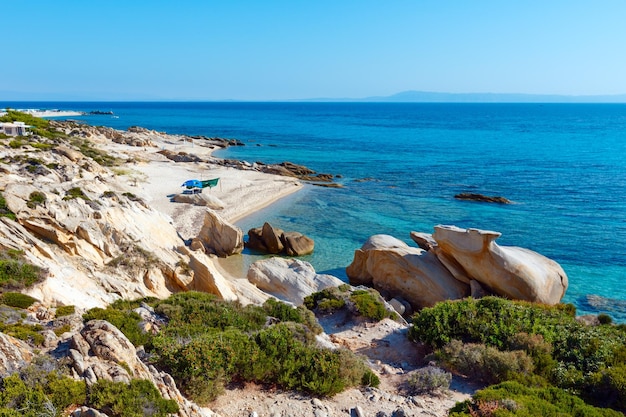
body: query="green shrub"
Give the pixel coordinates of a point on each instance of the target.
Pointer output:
(429, 379)
(485, 363)
(47, 394)
(65, 311)
(208, 342)
(285, 360)
(191, 313)
(16, 143)
(35, 199)
(607, 388)
(605, 319)
(366, 303)
(63, 329)
(370, 304)
(137, 399)
(514, 399)
(27, 332)
(580, 358)
(75, 192)
(41, 145)
(4, 209)
(17, 300)
(285, 312)
(489, 320)
(204, 364)
(128, 322)
(17, 274)
(327, 300)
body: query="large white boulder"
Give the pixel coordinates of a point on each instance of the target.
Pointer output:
(398, 270)
(289, 279)
(219, 236)
(509, 271)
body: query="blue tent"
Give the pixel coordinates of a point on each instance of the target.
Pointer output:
(189, 184)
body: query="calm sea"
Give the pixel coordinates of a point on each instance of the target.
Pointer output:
(563, 165)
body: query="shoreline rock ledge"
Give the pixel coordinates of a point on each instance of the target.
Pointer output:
(454, 263)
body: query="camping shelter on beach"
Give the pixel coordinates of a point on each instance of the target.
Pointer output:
(14, 128)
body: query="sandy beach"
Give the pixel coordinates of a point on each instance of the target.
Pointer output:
(158, 179)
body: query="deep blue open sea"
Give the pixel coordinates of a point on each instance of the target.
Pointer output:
(563, 165)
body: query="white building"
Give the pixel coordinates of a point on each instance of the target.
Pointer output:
(14, 128)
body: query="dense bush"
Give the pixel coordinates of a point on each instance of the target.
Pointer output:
(35, 199)
(327, 300)
(285, 312)
(17, 300)
(27, 332)
(208, 342)
(429, 379)
(485, 363)
(365, 303)
(47, 395)
(514, 399)
(16, 274)
(126, 321)
(193, 313)
(65, 311)
(39, 126)
(589, 361)
(205, 343)
(138, 399)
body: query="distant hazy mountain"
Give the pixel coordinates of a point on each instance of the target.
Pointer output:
(430, 97)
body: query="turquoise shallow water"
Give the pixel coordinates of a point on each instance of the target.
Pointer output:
(564, 166)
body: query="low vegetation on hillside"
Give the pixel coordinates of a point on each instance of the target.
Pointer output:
(537, 355)
(207, 343)
(366, 303)
(42, 389)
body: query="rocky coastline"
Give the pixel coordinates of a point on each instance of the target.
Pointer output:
(101, 213)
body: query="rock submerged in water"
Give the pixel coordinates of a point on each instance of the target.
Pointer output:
(457, 263)
(273, 240)
(482, 198)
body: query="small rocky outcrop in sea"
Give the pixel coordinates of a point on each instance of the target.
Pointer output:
(272, 240)
(454, 263)
(482, 198)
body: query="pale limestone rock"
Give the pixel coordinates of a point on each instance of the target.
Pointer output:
(101, 351)
(69, 153)
(512, 272)
(392, 267)
(289, 279)
(423, 240)
(219, 236)
(200, 199)
(13, 354)
(87, 236)
(207, 278)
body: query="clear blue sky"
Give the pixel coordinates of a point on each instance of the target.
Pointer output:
(295, 49)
